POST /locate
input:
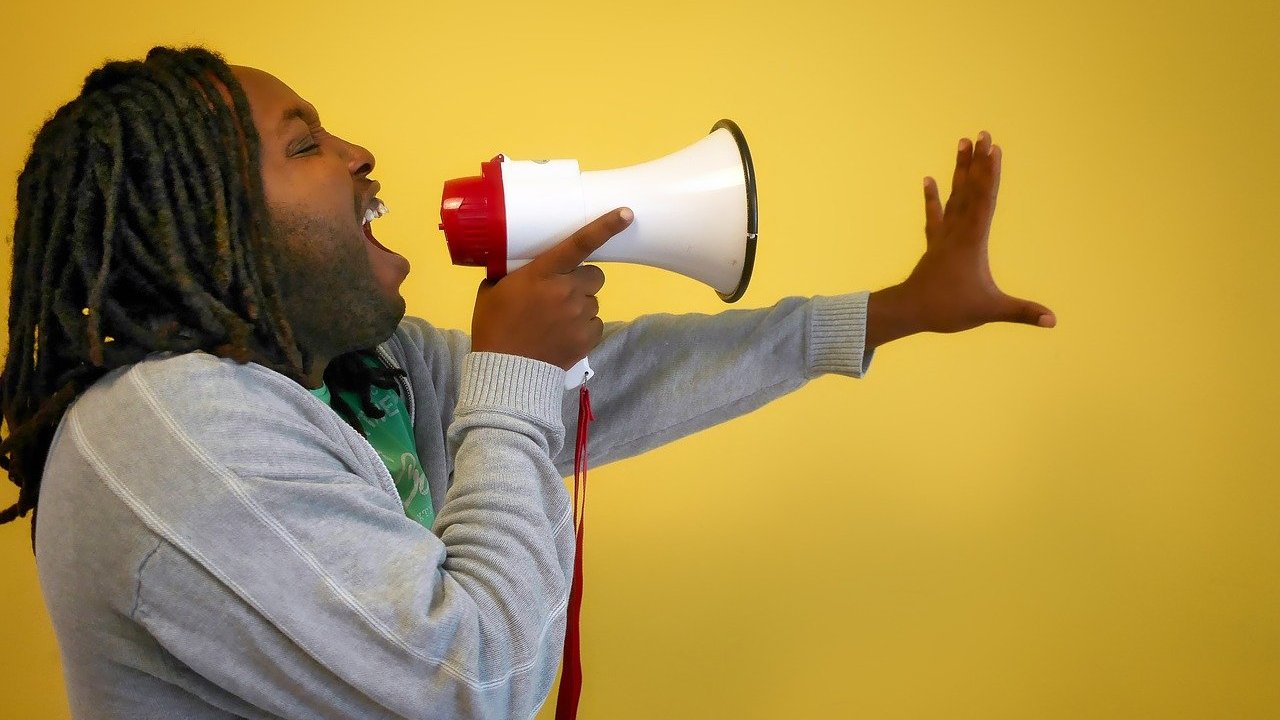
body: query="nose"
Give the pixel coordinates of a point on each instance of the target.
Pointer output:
(360, 161)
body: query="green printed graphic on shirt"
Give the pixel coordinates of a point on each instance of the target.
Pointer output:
(392, 436)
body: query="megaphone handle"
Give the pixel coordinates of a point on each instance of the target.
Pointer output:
(578, 374)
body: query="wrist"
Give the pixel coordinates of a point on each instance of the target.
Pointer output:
(891, 314)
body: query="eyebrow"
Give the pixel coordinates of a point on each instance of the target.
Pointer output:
(305, 114)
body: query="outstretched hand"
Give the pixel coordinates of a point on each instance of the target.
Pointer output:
(951, 288)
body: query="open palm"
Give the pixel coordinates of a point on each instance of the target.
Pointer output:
(952, 283)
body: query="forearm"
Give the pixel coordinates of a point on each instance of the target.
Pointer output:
(891, 314)
(662, 377)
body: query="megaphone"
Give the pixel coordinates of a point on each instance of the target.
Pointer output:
(695, 214)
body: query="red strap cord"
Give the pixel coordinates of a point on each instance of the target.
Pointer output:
(571, 674)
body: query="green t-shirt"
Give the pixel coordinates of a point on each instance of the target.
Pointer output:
(392, 437)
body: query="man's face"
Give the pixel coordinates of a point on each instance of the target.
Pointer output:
(341, 288)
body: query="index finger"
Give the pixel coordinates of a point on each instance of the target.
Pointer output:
(575, 249)
(986, 185)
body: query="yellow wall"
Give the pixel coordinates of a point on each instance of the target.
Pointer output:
(1009, 523)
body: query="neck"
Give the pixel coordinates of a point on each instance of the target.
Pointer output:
(317, 352)
(314, 374)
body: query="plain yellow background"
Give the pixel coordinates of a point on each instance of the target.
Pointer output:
(1007, 523)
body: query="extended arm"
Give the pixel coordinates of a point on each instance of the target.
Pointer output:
(661, 377)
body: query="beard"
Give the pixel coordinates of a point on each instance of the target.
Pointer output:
(329, 289)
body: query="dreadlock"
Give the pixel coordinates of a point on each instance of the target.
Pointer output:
(350, 372)
(142, 227)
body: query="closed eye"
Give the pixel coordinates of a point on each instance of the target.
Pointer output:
(304, 146)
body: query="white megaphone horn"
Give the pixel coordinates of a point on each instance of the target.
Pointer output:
(695, 214)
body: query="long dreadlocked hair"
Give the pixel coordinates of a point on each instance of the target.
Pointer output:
(142, 227)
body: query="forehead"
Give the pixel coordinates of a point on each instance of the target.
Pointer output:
(272, 103)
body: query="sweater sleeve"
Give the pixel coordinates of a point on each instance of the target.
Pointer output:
(287, 576)
(662, 377)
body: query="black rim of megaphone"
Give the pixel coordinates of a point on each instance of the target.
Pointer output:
(749, 174)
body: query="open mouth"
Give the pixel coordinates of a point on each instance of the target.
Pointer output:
(378, 209)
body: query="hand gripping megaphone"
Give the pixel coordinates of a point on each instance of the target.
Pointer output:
(695, 214)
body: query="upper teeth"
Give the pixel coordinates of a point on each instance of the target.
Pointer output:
(378, 210)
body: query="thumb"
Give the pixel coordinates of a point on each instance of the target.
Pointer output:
(1027, 312)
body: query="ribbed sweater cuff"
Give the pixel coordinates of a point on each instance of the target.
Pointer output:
(838, 335)
(512, 384)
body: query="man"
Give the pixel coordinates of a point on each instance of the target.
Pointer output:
(264, 492)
